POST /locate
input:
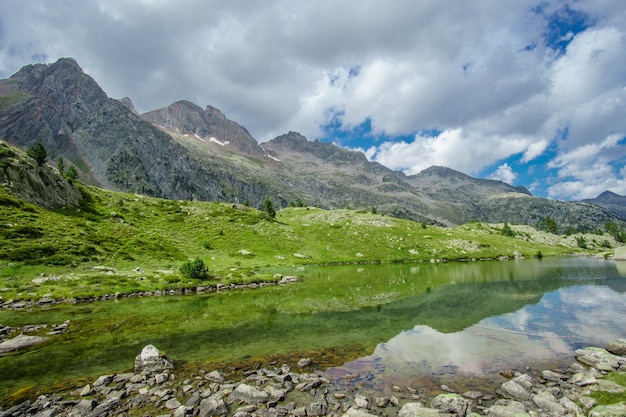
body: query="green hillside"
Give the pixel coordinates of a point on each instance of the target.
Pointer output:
(118, 242)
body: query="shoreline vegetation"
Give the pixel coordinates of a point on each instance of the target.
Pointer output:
(125, 244)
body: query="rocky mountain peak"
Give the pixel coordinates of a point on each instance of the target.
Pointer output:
(295, 142)
(63, 85)
(207, 125)
(126, 101)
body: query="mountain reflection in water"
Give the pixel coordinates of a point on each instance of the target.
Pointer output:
(541, 336)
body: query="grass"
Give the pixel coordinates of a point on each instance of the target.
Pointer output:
(606, 398)
(143, 241)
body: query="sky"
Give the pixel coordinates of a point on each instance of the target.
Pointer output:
(531, 92)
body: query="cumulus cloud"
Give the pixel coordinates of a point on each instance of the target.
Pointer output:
(494, 80)
(504, 173)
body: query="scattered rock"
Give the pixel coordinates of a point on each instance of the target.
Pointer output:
(280, 392)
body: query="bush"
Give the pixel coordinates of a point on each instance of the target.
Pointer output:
(195, 269)
(507, 231)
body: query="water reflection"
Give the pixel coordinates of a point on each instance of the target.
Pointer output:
(541, 335)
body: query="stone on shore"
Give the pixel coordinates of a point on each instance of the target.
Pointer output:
(357, 412)
(617, 347)
(20, 342)
(150, 359)
(417, 410)
(599, 358)
(451, 403)
(212, 407)
(249, 395)
(614, 410)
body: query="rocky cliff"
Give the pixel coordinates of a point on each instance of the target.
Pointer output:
(40, 185)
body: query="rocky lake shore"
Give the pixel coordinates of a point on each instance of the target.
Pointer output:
(157, 388)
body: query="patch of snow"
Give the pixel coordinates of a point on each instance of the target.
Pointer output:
(214, 140)
(196, 135)
(272, 157)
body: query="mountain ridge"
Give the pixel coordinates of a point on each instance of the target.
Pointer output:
(183, 151)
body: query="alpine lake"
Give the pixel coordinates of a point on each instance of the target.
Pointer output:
(368, 326)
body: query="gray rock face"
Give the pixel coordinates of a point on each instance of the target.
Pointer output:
(36, 184)
(186, 118)
(151, 360)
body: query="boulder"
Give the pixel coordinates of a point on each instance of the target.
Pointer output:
(617, 348)
(20, 342)
(211, 407)
(507, 409)
(614, 410)
(599, 358)
(547, 402)
(249, 395)
(357, 412)
(514, 391)
(451, 403)
(417, 410)
(150, 359)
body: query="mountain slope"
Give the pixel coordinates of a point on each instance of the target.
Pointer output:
(612, 202)
(209, 125)
(185, 152)
(68, 112)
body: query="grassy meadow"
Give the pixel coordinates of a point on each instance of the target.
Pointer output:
(120, 242)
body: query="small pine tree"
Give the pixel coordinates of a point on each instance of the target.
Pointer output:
(71, 173)
(507, 231)
(38, 153)
(61, 165)
(269, 209)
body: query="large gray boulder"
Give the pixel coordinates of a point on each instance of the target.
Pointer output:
(599, 358)
(451, 403)
(150, 359)
(211, 407)
(618, 347)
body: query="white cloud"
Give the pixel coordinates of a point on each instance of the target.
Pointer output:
(504, 173)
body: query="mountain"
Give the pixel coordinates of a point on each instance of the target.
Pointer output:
(65, 109)
(612, 202)
(188, 119)
(184, 151)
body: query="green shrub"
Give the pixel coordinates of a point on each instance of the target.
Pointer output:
(38, 153)
(195, 269)
(507, 231)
